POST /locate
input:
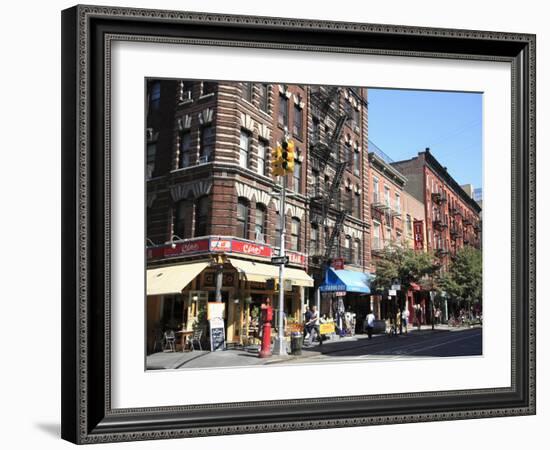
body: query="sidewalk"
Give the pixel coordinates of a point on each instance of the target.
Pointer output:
(249, 356)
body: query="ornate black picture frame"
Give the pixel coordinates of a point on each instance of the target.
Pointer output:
(87, 34)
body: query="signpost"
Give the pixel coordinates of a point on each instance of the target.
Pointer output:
(280, 260)
(217, 334)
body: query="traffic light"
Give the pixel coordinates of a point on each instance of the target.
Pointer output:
(277, 161)
(288, 155)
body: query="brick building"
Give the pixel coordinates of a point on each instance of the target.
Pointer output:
(453, 218)
(210, 193)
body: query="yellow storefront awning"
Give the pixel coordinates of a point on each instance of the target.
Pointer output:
(260, 272)
(172, 279)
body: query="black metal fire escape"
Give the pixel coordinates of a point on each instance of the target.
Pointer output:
(325, 152)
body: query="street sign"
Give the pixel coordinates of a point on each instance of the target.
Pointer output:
(287, 285)
(396, 287)
(392, 292)
(279, 260)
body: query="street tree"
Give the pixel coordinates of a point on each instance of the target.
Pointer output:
(406, 266)
(463, 279)
(403, 264)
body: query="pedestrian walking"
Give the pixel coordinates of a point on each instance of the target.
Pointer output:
(405, 318)
(311, 325)
(370, 323)
(398, 321)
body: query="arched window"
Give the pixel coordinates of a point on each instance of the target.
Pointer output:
(242, 218)
(295, 234)
(260, 223)
(201, 216)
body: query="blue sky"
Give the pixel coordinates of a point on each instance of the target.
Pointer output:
(404, 122)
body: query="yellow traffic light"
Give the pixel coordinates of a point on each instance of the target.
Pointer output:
(277, 161)
(288, 155)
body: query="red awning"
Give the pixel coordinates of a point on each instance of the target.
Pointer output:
(415, 287)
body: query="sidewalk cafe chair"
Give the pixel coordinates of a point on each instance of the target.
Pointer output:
(196, 338)
(170, 340)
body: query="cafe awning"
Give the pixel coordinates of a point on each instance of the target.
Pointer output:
(346, 280)
(260, 272)
(172, 279)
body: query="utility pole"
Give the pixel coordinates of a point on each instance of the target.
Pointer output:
(282, 166)
(279, 346)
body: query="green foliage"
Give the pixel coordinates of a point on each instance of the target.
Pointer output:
(463, 280)
(403, 264)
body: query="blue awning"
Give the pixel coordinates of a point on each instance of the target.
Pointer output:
(346, 280)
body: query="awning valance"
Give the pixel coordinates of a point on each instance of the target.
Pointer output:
(172, 279)
(260, 272)
(346, 280)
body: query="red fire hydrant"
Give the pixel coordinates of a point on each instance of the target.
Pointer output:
(267, 317)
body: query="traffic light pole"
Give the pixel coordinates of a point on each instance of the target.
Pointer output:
(279, 345)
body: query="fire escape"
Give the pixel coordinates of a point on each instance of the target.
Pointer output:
(325, 153)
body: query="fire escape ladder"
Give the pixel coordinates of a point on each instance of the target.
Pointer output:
(340, 218)
(337, 133)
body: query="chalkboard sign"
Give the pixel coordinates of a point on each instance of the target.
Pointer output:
(217, 334)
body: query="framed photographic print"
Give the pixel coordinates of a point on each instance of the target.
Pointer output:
(280, 224)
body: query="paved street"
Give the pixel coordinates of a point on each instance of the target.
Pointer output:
(442, 342)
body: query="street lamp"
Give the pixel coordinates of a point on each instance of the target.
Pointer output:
(173, 239)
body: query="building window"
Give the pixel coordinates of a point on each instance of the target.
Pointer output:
(387, 197)
(244, 148)
(348, 199)
(295, 234)
(357, 252)
(314, 239)
(297, 176)
(247, 91)
(297, 128)
(151, 153)
(206, 150)
(398, 203)
(259, 224)
(182, 219)
(283, 111)
(376, 242)
(201, 216)
(347, 152)
(388, 233)
(375, 190)
(184, 150)
(409, 225)
(242, 218)
(208, 87)
(154, 96)
(262, 146)
(398, 238)
(263, 97)
(347, 249)
(355, 118)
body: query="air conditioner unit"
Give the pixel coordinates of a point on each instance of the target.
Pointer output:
(203, 159)
(260, 237)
